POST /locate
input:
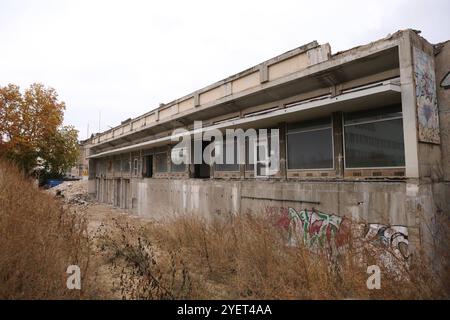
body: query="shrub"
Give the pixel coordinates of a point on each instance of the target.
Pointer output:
(39, 241)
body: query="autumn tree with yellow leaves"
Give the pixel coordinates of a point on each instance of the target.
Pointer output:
(31, 130)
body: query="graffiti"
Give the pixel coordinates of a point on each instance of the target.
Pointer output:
(279, 215)
(393, 237)
(316, 228)
(445, 83)
(427, 110)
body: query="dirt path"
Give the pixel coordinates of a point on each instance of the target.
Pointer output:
(101, 219)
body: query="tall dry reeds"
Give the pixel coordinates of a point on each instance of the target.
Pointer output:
(39, 240)
(247, 256)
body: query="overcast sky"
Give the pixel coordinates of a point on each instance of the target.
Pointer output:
(122, 58)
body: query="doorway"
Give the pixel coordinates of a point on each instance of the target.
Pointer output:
(148, 166)
(203, 170)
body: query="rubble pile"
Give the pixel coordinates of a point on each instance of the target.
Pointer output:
(72, 192)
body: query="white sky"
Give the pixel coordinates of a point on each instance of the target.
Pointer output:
(122, 58)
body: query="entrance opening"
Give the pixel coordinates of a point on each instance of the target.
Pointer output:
(148, 173)
(203, 170)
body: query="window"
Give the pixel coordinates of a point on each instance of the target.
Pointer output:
(161, 162)
(116, 165)
(253, 150)
(374, 138)
(135, 166)
(126, 165)
(178, 154)
(234, 166)
(310, 144)
(249, 155)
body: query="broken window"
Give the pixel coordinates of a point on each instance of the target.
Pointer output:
(310, 144)
(374, 138)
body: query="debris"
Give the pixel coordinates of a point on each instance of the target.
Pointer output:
(74, 192)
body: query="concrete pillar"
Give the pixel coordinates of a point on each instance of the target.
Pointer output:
(408, 106)
(338, 144)
(282, 132)
(263, 73)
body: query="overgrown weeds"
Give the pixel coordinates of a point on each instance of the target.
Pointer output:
(247, 257)
(39, 240)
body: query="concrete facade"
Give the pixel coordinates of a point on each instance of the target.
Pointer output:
(298, 86)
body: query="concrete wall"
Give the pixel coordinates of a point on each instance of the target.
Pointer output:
(391, 203)
(442, 69)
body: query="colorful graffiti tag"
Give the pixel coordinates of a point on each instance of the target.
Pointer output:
(445, 82)
(394, 237)
(427, 109)
(316, 229)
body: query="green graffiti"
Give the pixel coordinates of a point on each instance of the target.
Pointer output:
(313, 227)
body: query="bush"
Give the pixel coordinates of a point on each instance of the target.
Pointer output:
(39, 241)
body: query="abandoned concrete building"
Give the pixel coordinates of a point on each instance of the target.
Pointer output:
(364, 134)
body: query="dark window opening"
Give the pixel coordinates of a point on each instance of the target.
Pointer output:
(310, 144)
(234, 166)
(374, 138)
(148, 171)
(203, 170)
(161, 162)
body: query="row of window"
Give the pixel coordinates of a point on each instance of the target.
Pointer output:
(372, 139)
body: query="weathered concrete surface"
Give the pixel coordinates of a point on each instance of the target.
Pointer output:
(393, 203)
(442, 60)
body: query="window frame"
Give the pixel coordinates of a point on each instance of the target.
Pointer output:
(224, 143)
(155, 160)
(172, 165)
(366, 122)
(311, 130)
(135, 166)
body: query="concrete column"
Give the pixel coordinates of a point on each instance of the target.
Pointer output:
(408, 106)
(282, 131)
(196, 99)
(338, 144)
(263, 73)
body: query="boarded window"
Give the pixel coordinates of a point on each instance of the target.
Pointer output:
(374, 138)
(310, 144)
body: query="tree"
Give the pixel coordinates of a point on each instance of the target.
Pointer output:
(61, 151)
(31, 131)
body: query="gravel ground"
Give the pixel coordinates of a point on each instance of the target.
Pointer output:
(100, 220)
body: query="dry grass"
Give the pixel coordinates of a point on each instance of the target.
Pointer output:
(246, 257)
(235, 257)
(39, 241)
